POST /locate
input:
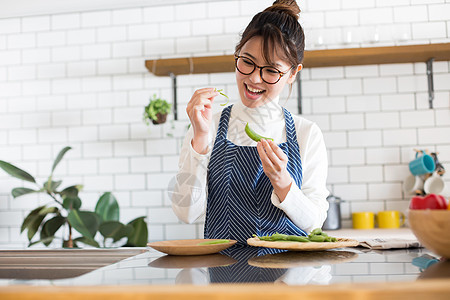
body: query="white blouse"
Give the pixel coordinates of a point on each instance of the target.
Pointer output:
(306, 207)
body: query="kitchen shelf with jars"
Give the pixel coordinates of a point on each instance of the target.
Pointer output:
(426, 53)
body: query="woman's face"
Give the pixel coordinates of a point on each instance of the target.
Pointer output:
(253, 91)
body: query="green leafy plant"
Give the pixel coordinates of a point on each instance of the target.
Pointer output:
(157, 110)
(65, 212)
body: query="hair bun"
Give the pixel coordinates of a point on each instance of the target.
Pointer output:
(289, 6)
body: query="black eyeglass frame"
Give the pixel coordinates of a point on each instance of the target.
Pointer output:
(236, 57)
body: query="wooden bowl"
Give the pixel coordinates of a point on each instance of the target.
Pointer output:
(431, 227)
(190, 247)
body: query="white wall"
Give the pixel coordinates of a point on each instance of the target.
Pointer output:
(21, 8)
(79, 79)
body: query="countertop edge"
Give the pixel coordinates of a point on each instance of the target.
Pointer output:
(422, 289)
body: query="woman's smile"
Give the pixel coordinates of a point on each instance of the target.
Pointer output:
(253, 93)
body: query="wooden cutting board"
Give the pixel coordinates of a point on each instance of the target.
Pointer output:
(189, 247)
(298, 246)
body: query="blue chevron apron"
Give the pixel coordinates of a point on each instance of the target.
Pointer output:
(239, 191)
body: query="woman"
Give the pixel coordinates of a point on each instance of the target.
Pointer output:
(277, 186)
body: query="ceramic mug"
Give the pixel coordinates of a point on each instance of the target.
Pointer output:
(363, 220)
(434, 185)
(422, 164)
(412, 185)
(390, 219)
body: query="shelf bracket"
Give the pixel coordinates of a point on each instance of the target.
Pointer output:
(299, 94)
(430, 82)
(174, 96)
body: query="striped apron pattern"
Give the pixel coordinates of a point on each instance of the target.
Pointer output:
(239, 191)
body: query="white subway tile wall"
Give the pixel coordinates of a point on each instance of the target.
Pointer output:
(79, 79)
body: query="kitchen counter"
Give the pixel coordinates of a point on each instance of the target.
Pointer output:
(250, 273)
(58, 264)
(364, 234)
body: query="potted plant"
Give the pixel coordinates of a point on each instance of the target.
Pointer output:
(64, 214)
(157, 110)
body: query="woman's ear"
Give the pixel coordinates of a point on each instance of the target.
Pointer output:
(294, 73)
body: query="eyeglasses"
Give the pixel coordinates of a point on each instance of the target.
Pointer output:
(268, 74)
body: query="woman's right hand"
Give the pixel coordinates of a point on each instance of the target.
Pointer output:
(199, 110)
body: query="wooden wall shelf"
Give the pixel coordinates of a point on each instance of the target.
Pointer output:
(313, 59)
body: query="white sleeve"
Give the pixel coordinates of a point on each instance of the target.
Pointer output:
(189, 192)
(307, 207)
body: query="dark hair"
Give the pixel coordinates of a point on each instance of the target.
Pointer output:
(277, 25)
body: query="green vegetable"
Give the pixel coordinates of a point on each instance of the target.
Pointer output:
(317, 235)
(330, 239)
(316, 231)
(253, 135)
(296, 238)
(279, 237)
(263, 238)
(317, 238)
(214, 242)
(220, 92)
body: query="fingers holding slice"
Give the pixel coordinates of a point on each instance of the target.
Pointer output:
(203, 96)
(266, 162)
(277, 151)
(269, 151)
(208, 93)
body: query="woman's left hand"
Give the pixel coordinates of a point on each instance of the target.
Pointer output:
(274, 162)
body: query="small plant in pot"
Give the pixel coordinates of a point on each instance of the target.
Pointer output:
(156, 111)
(64, 214)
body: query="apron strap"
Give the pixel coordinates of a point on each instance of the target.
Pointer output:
(223, 123)
(291, 134)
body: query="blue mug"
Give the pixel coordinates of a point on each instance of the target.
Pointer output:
(422, 165)
(425, 261)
